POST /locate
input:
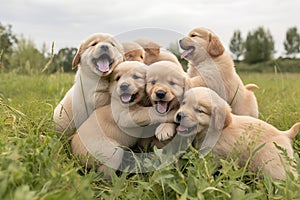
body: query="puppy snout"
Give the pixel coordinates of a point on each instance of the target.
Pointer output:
(104, 47)
(180, 42)
(124, 86)
(179, 116)
(160, 94)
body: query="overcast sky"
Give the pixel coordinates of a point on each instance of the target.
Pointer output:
(68, 22)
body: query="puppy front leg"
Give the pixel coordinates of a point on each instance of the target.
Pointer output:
(165, 131)
(63, 115)
(133, 118)
(105, 159)
(158, 118)
(143, 116)
(94, 147)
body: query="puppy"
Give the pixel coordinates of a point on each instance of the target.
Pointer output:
(153, 52)
(205, 113)
(166, 83)
(214, 68)
(133, 52)
(96, 58)
(120, 123)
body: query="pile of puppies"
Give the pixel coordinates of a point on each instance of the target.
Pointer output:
(120, 89)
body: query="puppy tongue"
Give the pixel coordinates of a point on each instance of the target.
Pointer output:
(185, 53)
(181, 128)
(162, 106)
(103, 65)
(125, 98)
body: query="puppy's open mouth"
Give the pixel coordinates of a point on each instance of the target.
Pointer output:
(162, 106)
(185, 130)
(188, 51)
(127, 98)
(103, 63)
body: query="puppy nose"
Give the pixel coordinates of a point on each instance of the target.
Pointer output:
(124, 86)
(104, 47)
(179, 116)
(160, 94)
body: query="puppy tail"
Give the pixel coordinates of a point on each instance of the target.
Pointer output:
(293, 131)
(251, 86)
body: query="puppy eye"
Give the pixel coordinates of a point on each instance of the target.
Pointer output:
(193, 35)
(142, 57)
(183, 103)
(171, 83)
(118, 78)
(94, 44)
(112, 44)
(135, 77)
(198, 110)
(153, 82)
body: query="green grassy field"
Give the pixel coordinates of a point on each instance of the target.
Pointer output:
(35, 167)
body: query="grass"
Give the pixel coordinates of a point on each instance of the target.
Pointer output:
(36, 162)
(285, 65)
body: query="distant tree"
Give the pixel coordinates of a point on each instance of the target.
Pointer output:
(63, 59)
(259, 46)
(237, 46)
(26, 58)
(174, 48)
(292, 42)
(7, 40)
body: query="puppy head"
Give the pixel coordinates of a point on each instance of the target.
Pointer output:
(99, 54)
(133, 52)
(202, 108)
(151, 48)
(199, 42)
(128, 82)
(166, 83)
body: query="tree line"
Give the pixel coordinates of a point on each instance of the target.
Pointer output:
(22, 56)
(259, 45)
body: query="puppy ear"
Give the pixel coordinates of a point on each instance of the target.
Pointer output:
(153, 48)
(124, 58)
(215, 47)
(76, 59)
(152, 51)
(187, 84)
(221, 117)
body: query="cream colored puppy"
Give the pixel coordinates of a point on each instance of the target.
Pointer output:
(153, 52)
(166, 83)
(133, 52)
(214, 68)
(96, 58)
(205, 113)
(119, 124)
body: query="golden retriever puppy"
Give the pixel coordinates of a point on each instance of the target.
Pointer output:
(205, 113)
(166, 83)
(133, 52)
(96, 58)
(153, 52)
(214, 68)
(120, 123)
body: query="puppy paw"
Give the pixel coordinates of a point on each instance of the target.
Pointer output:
(165, 131)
